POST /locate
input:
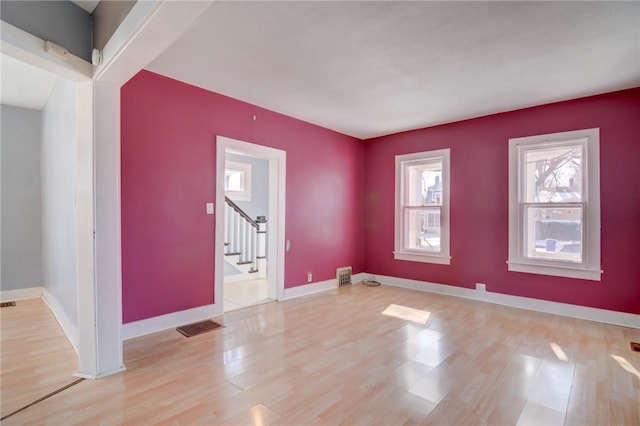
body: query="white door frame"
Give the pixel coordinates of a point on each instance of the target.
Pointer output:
(277, 196)
(29, 49)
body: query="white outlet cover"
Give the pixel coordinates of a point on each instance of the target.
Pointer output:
(209, 208)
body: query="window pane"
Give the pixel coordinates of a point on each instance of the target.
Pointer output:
(553, 175)
(424, 184)
(422, 230)
(233, 180)
(554, 233)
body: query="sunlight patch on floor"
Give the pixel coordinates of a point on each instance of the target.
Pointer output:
(560, 354)
(406, 313)
(626, 365)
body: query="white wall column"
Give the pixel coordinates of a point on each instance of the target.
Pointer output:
(108, 274)
(87, 352)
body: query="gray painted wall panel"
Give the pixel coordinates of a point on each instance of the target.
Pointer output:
(107, 18)
(61, 22)
(21, 202)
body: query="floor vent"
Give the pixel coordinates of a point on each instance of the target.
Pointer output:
(197, 328)
(343, 276)
(7, 304)
(635, 346)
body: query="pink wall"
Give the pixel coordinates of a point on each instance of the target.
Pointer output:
(168, 174)
(479, 201)
(335, 183)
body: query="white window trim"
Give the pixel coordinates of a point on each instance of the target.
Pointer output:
(590, 269)
(245, 168)
(399, 253)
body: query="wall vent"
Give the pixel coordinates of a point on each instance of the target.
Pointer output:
(343, 276)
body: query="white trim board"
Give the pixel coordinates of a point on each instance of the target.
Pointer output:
(317, 287)
(307, 289)
(101, 375)
(20, 294)
(163, 322)
(564, 309)
(65, 323)
(176, 319)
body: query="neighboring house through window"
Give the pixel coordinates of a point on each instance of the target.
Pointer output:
(554, 204)
(422, 207)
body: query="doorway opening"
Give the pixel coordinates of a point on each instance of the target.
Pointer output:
(249, 246)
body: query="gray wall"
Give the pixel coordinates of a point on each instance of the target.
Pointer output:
(61, 22)
(259, 204)
(59, 160)
(21, 245)
(107, 16)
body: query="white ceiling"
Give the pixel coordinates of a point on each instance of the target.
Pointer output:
(24, 85)
(373, 68)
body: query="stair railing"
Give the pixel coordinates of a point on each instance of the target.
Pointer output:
(241, 234)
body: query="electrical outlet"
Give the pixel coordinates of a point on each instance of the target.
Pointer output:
(309, 277)
(481, 287)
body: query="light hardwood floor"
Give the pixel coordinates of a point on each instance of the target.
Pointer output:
(36, 358)
(334, 358)
(241, 294)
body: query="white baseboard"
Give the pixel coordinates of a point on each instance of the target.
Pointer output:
(101, 375)
(317, 287)
(356, 278)
(20, 294)
(574, 311)
(307, 289)
(65, 323)
(174, 319)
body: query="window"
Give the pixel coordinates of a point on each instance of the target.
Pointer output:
(422, 207)
(554, 204)
(237, 181)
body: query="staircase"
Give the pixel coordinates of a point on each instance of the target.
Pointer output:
(245, 243)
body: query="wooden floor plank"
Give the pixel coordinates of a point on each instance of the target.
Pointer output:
(334, 358)
(35, 356)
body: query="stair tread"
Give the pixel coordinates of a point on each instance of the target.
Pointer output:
(246, 262)
(233, 254)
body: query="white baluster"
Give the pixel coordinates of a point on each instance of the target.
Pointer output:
(241, 245)
(254, 247)
(237, 231)
(226, 226)
(247, 236)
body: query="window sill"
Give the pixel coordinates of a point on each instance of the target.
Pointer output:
(426, 258)
(557, 271)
